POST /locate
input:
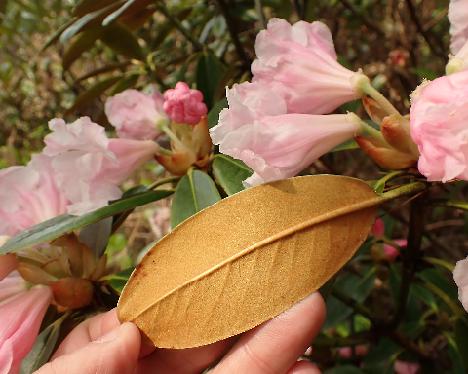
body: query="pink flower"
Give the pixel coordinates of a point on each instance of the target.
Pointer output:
(378, 229)
(89, 167)
(348, 352)
(458, 17)
(29, 195)
(439, 112)
(392, 252)
(460, 275)
(276, 146)
(21, 317)
(135, 115)
(184, 105)
(299, 62)
(406, 367)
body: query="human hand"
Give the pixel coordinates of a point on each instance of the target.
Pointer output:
(102, 345)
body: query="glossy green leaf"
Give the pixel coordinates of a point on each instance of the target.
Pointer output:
(96, 235)
(122, 41)
(114, 15)
(208, 76)
(230, 173)
(82, 22)
(119, 280)
(194, 192)
(42, 349)
(58, 226)
(213, 115)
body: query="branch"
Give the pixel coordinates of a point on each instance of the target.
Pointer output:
(233, 32)
(370, 24)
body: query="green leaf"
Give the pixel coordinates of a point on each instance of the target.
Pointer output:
(80, 23)
(458, 204)
(119, 280)
(208, 76)
(83, 43)
(43, 348)
(114, 15)
(92, 93)
(461, 339)
(96, 235)
(58, 226)
(195, 191)
(213, 115)
(230, 173)
(122, 41)
(348, 145)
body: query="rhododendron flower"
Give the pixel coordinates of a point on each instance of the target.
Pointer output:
(406, 367)
(458, 17)
(184, 105)
(278, 147)
(439, 113)
(136, 115)
(21, 317)
(460, 275)
(29, 195)
(391, 251)
(299, 61)
(89, 166)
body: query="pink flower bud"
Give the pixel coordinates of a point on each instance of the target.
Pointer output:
(21, 317)
(406, 367)
(299, 62)
(184, 105)
(135, 115)
(391, 252)
(460, 275)
(378, 229)
(438, 127)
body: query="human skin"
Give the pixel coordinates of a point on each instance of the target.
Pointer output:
(102, 345)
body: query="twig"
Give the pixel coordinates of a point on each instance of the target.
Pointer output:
(233, 32)
(425, 33)
(186, 33)
(370, 24)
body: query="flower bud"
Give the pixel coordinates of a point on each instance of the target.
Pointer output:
(396, 131)
(72, 293)
(184, 105)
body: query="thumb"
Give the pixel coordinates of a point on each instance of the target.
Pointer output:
(114, 353)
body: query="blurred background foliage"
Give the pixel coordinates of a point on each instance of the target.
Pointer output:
(63, 58)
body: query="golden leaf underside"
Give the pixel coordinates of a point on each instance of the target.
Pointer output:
(242, 261)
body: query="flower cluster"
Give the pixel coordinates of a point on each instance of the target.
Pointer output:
(79, 170)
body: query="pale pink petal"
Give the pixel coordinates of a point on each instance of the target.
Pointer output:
(135, 115)
(439, 112)
(458, 17)
(11, 285)
(278, 147)
(298, 61)
(21, 318)
(460, 275)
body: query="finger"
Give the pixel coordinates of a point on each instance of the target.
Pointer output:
(193, 360)
(304, 367)
(88, 331)
(274, 346)
(114, 353)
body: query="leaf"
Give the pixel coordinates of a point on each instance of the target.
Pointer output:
(119, 280)
(461, 339)
(43, 348)
(80, 23)
(96, 235)
(208, 76)
(122, 41)
(348, 145)
(213, 115)
(194, 192)
(114, 15)
(83, 43)
(247, 258)
(92, 93)
(58, 226)
(458, 204)
(230, 173)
